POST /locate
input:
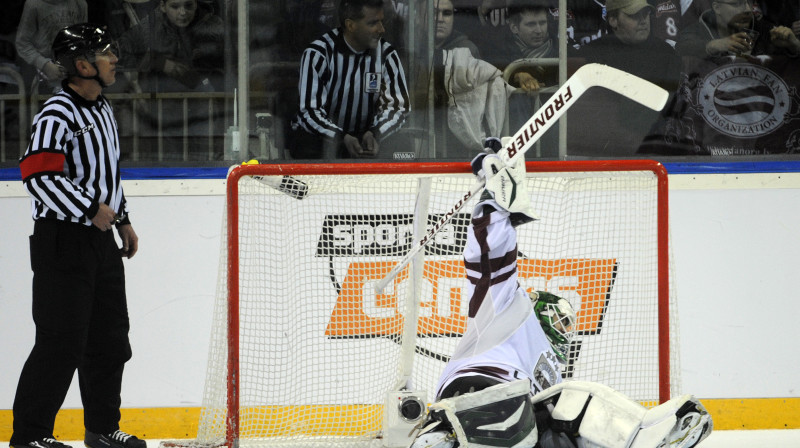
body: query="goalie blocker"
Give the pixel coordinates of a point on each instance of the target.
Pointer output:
(568, 415)
(506, 184)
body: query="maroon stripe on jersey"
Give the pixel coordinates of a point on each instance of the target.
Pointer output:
(480, 229)
(498, 263)
(495, 372)
(42, 162)
(494, 281)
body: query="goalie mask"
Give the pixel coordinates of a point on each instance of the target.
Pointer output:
(557, 319)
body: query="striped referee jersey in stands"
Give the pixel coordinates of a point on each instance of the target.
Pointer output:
(72, 161)
(346, 92)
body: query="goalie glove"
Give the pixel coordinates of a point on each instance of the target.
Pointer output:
(506, 185)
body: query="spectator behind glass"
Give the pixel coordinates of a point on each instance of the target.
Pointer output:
(40, 22)
(353, 91)
(631, 47)
(586, 21)
(730, 28)
(179, 47)
(120, 15)
(479, 18)
(734, 97)
(447, 38)
(667, 19)
(461, 86)
(528, 35)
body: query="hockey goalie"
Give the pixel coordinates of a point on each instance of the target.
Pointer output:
(502, 387)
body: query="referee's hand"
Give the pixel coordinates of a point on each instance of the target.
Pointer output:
(370, 144)
(353, 146)
(130, 241)
(105, 218)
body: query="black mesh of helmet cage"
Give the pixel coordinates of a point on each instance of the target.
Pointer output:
(81, 40)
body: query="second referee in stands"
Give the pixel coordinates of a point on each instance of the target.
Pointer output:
(353, 91)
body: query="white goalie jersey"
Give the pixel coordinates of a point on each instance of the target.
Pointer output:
(516, 347)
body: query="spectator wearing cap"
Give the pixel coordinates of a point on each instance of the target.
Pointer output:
(631, 47)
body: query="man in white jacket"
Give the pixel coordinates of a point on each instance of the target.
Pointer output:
(477, 99)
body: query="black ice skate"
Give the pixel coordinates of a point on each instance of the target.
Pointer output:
(46, 442)
(116, 439)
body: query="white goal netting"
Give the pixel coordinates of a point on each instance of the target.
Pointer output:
(313, 350)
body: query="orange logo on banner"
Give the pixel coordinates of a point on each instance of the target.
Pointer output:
(361, 312)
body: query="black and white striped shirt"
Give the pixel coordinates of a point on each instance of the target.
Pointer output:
(72, 161)
(346, 92)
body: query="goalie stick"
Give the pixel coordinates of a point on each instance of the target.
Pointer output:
(590, 75)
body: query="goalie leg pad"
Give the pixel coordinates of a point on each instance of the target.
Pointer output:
(681, 422)
(498, 416)
(602, 417)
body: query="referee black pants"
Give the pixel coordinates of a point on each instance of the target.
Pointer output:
(81, 317)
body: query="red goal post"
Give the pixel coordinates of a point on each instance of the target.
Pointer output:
(300, 270)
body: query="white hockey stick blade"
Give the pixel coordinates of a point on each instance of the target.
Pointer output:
(286, 184)
(633, 87)
(590, 75)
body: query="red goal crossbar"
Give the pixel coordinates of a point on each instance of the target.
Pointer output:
(232, 432)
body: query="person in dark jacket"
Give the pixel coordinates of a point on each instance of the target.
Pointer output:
(631, 47)
(178, 47)
(529, 35)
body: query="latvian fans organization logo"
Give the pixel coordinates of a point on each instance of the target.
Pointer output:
(744, 100)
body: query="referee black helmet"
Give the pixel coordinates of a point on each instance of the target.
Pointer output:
(84, 40)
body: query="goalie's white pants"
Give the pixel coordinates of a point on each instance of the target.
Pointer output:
(603, 417)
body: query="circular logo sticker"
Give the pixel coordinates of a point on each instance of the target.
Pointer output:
(744, 100)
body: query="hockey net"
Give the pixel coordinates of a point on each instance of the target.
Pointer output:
(303, 351)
